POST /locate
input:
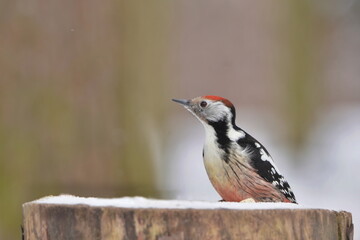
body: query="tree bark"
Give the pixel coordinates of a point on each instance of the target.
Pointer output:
(60, 221)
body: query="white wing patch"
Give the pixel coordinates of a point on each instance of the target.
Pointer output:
(235, 135)
(266, 157)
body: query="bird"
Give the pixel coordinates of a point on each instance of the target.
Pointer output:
(238, 166)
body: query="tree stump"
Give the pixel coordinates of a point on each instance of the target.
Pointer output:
(69, 217)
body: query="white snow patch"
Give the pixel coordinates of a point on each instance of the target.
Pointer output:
(141, 202)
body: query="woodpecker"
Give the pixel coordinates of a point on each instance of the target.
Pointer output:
(238, 166)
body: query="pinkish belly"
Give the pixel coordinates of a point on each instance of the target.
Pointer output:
(242, 185)
(228, 191)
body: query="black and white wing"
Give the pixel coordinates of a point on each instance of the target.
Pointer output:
(263, 163)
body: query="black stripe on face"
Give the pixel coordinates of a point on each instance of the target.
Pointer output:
(221, 128)
(233, 116)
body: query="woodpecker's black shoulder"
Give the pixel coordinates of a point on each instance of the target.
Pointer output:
(262, 162)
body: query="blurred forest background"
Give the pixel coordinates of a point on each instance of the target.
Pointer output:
(85, 89)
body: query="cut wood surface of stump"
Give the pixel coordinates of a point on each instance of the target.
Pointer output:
(68, 217)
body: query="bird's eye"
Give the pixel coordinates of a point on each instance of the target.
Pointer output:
(203, 104)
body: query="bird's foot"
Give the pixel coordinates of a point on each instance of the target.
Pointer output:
(222, 200)
(248, 200)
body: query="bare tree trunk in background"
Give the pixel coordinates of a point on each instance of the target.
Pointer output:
(301, 88)
(142, 89)
(82, 93)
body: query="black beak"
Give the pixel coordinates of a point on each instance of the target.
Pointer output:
(182, 101)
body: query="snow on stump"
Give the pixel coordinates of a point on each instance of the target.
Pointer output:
(68, 217)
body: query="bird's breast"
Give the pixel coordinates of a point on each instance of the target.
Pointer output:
(218, 172)
(232, 176)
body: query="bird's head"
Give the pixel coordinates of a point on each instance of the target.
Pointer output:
(210, 109)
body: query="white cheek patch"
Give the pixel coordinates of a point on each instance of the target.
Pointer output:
(217, 111)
